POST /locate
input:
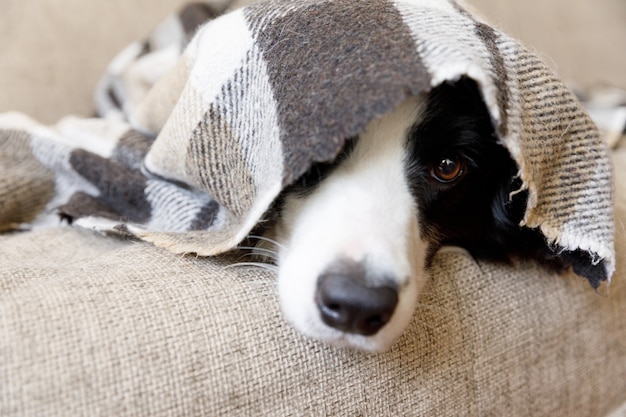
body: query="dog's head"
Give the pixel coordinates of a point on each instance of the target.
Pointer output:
(358, 235)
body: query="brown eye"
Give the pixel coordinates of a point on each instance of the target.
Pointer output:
(448, 170)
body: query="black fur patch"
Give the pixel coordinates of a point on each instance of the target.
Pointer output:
(481, 209)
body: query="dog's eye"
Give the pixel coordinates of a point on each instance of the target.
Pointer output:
(448, 170)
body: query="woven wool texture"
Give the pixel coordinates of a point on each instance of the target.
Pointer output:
(243, 106)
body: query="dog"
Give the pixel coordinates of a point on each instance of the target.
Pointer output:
(356, 237)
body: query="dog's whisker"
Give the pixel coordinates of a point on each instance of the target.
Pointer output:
(260, 255)
(621, 224)
(256, 251)
(269, 267)
(269, 240)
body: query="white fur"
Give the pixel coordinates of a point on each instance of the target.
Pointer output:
(363, 211)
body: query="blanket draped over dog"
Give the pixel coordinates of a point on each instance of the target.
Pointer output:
(205, 122)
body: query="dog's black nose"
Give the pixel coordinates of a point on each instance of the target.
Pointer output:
(346, 304)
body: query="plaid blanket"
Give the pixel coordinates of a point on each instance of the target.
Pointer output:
(201, 128)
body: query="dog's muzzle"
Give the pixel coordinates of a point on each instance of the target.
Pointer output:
(348, 301)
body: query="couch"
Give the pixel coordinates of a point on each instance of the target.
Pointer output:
(98, 325)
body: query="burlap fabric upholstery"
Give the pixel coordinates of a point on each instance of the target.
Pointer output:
(98, 326)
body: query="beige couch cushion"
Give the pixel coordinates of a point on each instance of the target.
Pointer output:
(92, 325)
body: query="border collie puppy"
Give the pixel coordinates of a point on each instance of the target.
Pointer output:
(357, 236)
